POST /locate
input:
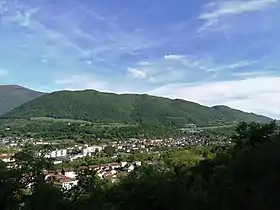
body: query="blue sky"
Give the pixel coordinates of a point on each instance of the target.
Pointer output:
(211, 52)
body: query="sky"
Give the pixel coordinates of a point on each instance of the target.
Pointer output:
(211, 52)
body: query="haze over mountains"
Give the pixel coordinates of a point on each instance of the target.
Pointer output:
(91, 105)
(12, 96)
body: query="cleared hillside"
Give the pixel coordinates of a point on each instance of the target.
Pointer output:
(127, 108)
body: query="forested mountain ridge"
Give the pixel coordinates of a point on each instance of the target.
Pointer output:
(12, 96)
(102, 107)
(238, 114)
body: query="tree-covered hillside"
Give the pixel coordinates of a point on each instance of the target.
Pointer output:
(127, 108)
(235, 114)
(12, 96)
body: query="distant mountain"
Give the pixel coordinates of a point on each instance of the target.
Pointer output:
(12, 96)
(128, 108)
(238, 115)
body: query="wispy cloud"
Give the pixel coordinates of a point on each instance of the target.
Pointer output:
(73, 45)
(259, 94)
(251, 74)
(173, 57)
(235, 7)
(23, 18)
(37, 34)
(177, 68)
(231, 66)
(215, 11)
(3, 7)
(189, 61)
(240, 64)
(137, 73)
(94, 46)
(89, 62)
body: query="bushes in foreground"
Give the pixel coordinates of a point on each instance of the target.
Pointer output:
(243, 177)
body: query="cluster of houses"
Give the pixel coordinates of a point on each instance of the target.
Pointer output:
(67, 178)
(60, 155)
(151, 145)
(72, 153)
(129, 146)
(15, 142)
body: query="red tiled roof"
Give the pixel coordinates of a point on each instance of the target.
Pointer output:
(5, 156)
(58, 178)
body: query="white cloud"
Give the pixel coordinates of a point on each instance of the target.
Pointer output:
(205, 63)
(110, 42)
(3, 72)
(59, 45)
(137, 73)
(174, 67)
(44, 60)
(260, 94)
(65, 45)
(173, 57)
(251, 74)
(218, 10)
(187, 61)
(89, 62)
(3, 7)
(240, 64)
(237, 65)
(24, 18)
(145, 63)
(236, 7)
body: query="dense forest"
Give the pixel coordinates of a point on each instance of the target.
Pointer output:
(101, 107)
(242, 176)
(61, 130)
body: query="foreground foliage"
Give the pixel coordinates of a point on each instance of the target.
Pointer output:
(244, 176)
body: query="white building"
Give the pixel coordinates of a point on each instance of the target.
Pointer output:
(71, 174)
(65, 181)
(74, 157)
(57, 162)
(88, 150)
(56, 153)
(123, 164)
(138, 163)
(130, 168)
(69, 184)
(13, 144)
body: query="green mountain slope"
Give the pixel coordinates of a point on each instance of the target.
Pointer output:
(12, 96)
(127, 108)
(238, 115)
